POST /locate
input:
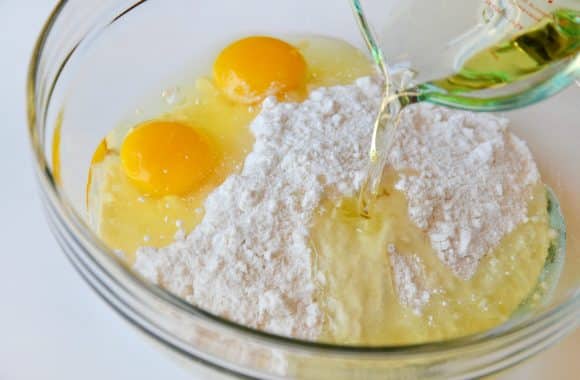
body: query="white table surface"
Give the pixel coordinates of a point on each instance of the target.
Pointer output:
(52, 326)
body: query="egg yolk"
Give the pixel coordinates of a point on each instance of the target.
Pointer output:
(253, 68)
(167, 158)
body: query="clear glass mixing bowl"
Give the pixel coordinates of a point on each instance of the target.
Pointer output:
(94, 63)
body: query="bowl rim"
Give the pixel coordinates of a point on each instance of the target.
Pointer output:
(106, 258)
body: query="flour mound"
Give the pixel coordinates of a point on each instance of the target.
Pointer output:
(468, 180)
(249, 260)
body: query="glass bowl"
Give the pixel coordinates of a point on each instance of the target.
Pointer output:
(97, 59)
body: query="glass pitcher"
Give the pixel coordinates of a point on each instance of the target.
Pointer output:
(481, 55)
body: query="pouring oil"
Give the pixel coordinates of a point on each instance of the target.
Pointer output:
(553, 39)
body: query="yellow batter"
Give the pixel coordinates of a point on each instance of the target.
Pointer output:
(358, 292)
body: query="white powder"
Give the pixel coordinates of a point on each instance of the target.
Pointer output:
(467, 179)
(408, 275)
(249, 259)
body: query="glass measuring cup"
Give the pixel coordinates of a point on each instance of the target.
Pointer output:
(482, 55)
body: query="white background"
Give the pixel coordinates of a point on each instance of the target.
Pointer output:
(52, 326)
